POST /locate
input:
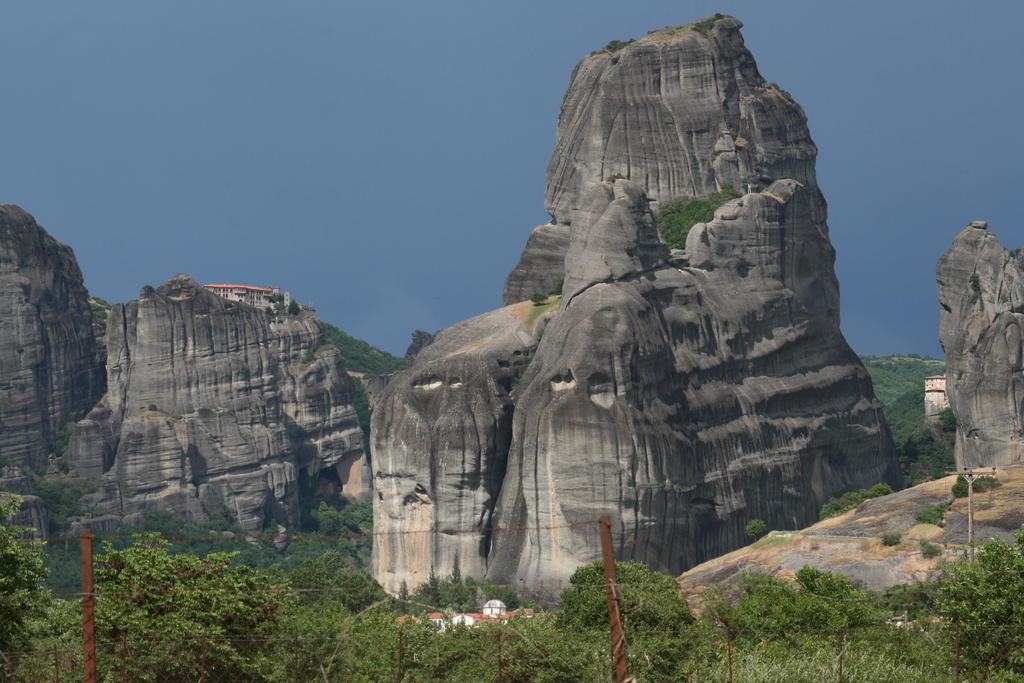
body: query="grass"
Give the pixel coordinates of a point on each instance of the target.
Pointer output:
(537, 311)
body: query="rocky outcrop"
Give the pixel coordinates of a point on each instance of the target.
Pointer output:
(981, 329)
(682, 112)
(541, 268)
(213, 407)
(49, 374)
(681, 395)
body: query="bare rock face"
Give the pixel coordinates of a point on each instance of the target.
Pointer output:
(981, 297)
(211, 407)
(682, 112)
(541, 267)
(49, 374)
(702, 397)
(680, 394)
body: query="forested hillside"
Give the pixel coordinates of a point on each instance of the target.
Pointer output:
(361, 356)
(925, 450)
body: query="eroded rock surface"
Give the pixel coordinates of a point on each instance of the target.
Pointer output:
(682, 112)
(49, 370)
(211, 407)
(682, 394)
(981, 297)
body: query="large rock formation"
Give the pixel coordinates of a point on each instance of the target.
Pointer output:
(681, 398)
(682, 112)
(49, 374)
(212, 407)
(981, 296)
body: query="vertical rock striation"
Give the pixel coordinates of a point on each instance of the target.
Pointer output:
(49, 371)
(211, 407)
(981, 329)
(682, 112)
(680, 397)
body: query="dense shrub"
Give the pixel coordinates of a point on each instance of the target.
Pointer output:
(851, 499)
(677, 216)
(932, 515)
(930, 550)
(756, 528)
(892, 538)
(981, 484)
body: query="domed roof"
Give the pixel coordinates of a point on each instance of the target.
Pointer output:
(494, 604)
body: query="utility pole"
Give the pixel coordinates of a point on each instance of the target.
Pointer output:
(620, 673)
(968, 473)
(88, 607)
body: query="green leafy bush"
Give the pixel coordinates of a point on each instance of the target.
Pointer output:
(981, 485)
(539, 298)
(704, 26)
(613, 46)
(756, 528)
(930, 550)
(851, 499)
(932, 515)
(677, 216)
(975, 288)
(892, 538)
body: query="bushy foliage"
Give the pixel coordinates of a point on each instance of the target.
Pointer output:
(983, 601)
(851, 499)
(613, 46)
(462, 594)
(981, 485)
(359, 355)
(756, 528)
(539, 298)
(704, 26)
(891, 538)
(664, 640)
(932, 515)
(677, 216)
(185, 616)
(930, 550)
(21, 578)
(331, 579)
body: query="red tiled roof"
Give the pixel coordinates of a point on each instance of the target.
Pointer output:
(255, 289)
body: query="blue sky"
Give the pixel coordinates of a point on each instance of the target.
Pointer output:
(385, 161)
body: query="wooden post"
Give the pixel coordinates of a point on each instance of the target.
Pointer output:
(968, 474)
(88, 607)
(620, 672)
(970, 516)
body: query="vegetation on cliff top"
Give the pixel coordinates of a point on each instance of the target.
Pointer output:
(361, 356)
(677, 216)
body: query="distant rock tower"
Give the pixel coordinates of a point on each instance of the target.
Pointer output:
(935, 399)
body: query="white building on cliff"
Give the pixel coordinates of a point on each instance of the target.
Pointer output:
(259, 297)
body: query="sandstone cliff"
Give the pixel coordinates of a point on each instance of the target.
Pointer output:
(981, 297)
(213, 407)
(680, 397)
(682, 112)
(49, 371)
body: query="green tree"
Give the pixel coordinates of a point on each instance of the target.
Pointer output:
(181, 617)
(331, 578)
(21, 578)
(756, 528)
(656, 618)
(983, 600)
